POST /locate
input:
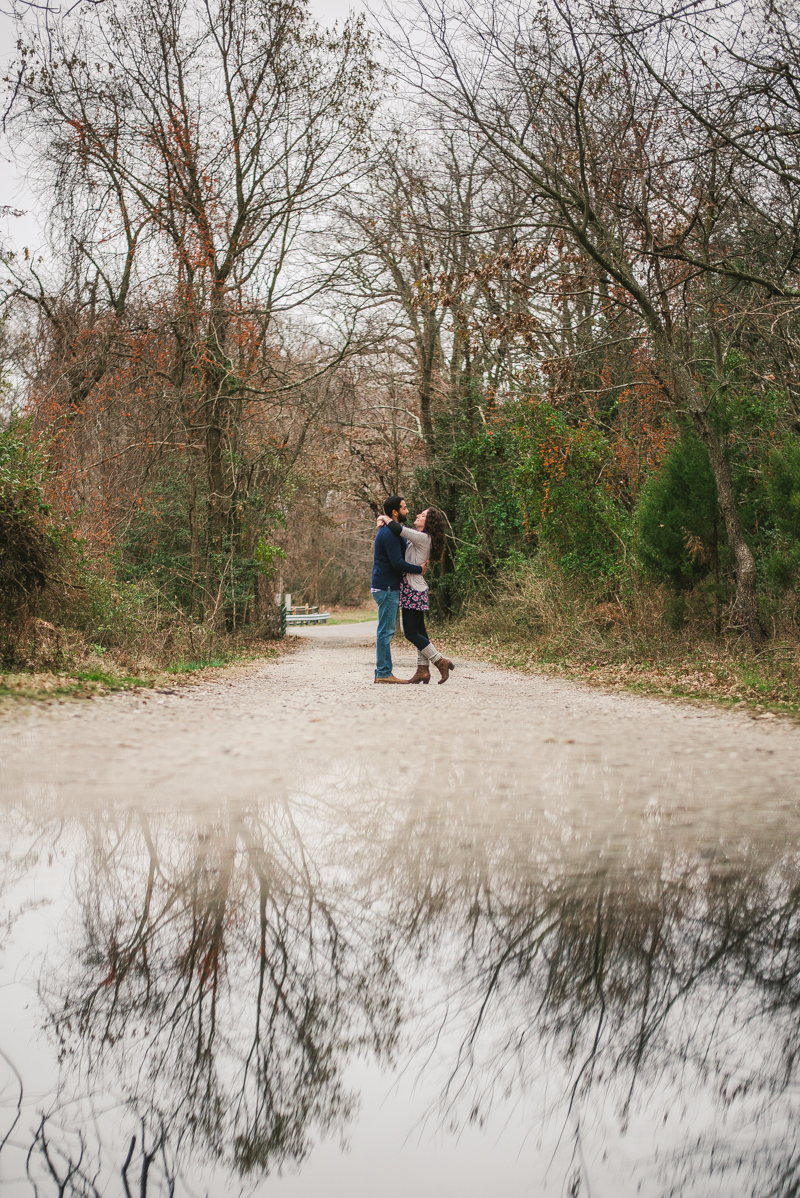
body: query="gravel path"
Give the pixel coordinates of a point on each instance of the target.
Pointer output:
(492, 740)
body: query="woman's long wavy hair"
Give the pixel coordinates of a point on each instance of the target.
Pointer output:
(435, 528)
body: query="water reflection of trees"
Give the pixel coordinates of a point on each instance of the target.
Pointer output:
(659, 978)
(225, 982)
(227, 971)
(21, 847)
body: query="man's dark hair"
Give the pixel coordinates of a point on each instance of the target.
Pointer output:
(392, 504)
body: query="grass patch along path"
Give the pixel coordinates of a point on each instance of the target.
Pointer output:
(49, 687)
(764, 684)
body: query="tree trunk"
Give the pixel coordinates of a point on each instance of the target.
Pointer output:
(213, 606)
(218, 500)
(268, 614)
(194, 543)
(427, 356)
(745, 606)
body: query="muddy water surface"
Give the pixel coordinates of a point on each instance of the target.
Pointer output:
(292, 934)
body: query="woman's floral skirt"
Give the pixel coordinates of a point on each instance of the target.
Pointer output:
(416, 600)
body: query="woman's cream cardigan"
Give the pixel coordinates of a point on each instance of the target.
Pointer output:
(418, 551)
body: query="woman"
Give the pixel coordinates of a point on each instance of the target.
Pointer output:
(425, 543)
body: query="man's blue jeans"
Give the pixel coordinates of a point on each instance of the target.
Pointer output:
(388, 602)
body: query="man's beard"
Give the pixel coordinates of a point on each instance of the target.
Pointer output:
(401, 519)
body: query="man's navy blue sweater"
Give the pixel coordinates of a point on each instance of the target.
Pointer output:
(389, 564)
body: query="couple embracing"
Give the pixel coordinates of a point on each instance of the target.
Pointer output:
(401, 558)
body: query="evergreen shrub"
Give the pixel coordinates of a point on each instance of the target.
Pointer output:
(29, 544)
(677, 526)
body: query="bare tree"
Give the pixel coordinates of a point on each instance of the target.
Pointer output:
(604, 159)
(198, 145)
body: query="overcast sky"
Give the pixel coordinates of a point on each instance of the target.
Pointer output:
(14, 193)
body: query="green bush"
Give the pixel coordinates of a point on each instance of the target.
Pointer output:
(157, 544)
(157, 550)
(530, 485)
(29, 544)
(782, 482)
(678, 530)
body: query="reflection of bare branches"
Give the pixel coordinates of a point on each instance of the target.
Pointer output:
(148, 1156)
(628, 980)
(215, 977)
(21, 847)
(65, 1170)
(73, 1166)
(225, 972)
(20, 1092)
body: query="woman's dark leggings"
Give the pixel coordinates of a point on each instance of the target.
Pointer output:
(414, 628)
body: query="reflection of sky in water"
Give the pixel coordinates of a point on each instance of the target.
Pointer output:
(470, 986)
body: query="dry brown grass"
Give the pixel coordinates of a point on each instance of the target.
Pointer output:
(110, 637)
(93, 675)
(548, 624)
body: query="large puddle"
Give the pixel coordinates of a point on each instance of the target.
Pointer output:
(335, 992)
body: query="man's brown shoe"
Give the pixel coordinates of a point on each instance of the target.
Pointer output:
(389, 678)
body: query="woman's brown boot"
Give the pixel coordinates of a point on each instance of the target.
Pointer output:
(444, 667)
(423, 674)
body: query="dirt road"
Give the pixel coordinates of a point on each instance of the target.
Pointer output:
(314, 720)
(288, 865)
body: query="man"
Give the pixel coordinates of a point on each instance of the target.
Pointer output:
(389, 566)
